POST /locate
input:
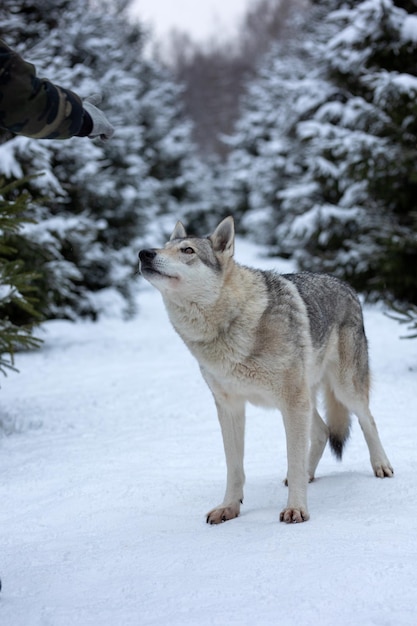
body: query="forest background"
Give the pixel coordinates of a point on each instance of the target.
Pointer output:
(304, 128)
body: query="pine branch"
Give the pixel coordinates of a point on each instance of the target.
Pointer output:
(17, 290)
(405, 316)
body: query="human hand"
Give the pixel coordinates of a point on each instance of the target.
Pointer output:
(101, 125)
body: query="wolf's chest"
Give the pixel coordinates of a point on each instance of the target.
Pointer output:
(247, 380)
(221, 354)
(235, 371)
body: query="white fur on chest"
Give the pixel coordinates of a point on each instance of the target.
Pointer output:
(227, 356)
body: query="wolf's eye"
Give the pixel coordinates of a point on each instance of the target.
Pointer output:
(187, 250)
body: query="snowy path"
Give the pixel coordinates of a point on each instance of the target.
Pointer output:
(118, 456)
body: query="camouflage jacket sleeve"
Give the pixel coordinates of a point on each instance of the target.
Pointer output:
(33, 106)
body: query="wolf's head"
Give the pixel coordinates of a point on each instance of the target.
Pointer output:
(190, 268)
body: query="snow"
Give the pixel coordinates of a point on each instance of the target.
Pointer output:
(7, 291)
(409, 28)
(114, 455)
(9, 165)
(405, 83)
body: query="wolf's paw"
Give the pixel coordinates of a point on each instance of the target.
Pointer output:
(223, 513)
(294, 516)
(383, 470)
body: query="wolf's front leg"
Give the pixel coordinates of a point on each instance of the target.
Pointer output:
(297, 419)
(231, 414)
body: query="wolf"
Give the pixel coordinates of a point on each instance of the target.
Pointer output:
(274, 340)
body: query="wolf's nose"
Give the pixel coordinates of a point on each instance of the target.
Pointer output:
(147, 255)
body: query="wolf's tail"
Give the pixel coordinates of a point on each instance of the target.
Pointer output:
(338, 421)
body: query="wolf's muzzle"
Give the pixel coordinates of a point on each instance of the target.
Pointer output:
(147, 261)
(147, 255)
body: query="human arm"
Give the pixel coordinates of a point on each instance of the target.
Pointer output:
(36, 107)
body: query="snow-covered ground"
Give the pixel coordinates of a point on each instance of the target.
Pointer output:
(114, 455)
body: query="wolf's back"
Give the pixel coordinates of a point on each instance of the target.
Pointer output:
(329, 301)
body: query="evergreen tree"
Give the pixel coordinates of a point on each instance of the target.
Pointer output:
(262, 153)
(363, 149)
(268, 158)
(96, 202)
(17, 294)
(348, 205)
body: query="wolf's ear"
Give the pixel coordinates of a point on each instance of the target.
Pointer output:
(179, 232)
(223, 238)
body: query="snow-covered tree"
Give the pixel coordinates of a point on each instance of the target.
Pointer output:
(267, 156)
(16, 283)
(95, 202)
(342, 195)
(363, 148)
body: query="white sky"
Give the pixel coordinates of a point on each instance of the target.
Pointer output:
(201, 19)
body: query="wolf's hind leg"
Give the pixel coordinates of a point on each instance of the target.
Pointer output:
(351, 382)
(319, 438)
(379, 460)
(355, 396)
